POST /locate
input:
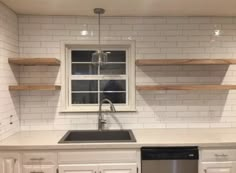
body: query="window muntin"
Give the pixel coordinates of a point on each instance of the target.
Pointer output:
(91, 82)
(84, 69)
(84, 98)
(113, 69)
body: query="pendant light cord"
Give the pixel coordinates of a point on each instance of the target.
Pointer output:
(99, 31)
(99, 56)
(99, 12)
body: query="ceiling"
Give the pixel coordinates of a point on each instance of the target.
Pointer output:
(125, 7)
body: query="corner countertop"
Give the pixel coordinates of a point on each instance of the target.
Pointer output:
(43, 140)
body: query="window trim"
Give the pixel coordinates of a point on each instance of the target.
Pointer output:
(130, 67)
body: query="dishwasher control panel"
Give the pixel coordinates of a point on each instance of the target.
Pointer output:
(169, 153)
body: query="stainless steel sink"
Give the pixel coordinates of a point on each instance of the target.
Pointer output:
(95, 136)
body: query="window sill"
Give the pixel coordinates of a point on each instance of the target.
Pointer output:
(105, 108)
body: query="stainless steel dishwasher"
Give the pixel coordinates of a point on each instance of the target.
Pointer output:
(169, 159)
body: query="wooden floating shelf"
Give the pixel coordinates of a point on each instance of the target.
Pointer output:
(149, 62)
(34, 87)
(185, 87)
(34, 61)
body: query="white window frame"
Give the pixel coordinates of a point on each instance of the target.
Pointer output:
(129, 46)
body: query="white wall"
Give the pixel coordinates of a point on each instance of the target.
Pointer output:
(9, 101)
(156, 37)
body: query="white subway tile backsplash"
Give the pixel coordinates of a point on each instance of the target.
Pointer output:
(38, 19)
(9, 101)
(177, 20)
(199, 20)
(64, 20)
(116, 27)
(222, 20)
(144, 27)
(31, 44)
(154, 20)
(155, 37)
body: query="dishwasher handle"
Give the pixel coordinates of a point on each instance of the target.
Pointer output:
(169, 153)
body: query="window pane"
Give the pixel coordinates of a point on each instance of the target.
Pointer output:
(112, 85)
(84, 69)
(116, 56)
(115, 97)
(84, 98)
(84, 85)
(111, 69)
(82, 55)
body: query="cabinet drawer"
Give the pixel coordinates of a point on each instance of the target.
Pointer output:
(42, 158)
(39, 169)
(217, 167)
(218, 155)
(98, 156)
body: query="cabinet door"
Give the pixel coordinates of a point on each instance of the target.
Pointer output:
(78, 168)
(217, 167)
(9, 163)
(118, 168)
(39, 169)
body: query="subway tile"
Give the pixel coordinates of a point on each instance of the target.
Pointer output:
(121, 27)
(40, 19)
(64, 20)
(155, 37)
(9, 101)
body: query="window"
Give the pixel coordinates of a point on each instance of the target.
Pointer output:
(90, 82)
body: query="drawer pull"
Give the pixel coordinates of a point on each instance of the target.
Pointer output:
(221, 155)
(37, 159)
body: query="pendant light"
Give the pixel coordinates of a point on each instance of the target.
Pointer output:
(99, 57)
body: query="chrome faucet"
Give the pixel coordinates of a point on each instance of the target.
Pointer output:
(101, 120)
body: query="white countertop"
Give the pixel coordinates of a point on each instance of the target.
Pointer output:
(145, 137)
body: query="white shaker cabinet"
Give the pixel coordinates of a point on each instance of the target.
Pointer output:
(98, 168)
(39, 162)
(217, 161)
(71, 161)
(78, 168)
(118, 168)
(99, 161)
(39, 169)
(9, 163)
(219, 167)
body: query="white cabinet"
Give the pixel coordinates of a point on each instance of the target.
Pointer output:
(218, 167)
(9, 163)
(39, 169)
(98, 168)
(217, 161)
(78, 168)
(99, 161)
(39, 162)
(118, 168)
(70, 161)
(39, 158)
